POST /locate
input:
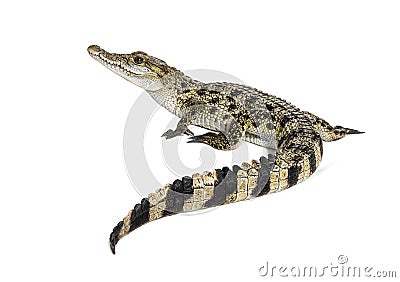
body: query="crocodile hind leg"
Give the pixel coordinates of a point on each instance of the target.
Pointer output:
(226, 136)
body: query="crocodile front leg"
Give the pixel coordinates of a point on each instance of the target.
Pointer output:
(189, 117)
(181, 128)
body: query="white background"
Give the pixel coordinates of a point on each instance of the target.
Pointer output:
(62, 116)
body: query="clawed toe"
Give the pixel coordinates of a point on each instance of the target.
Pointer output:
(189, 132)
(174, 133)
(170, 134)
(204, 138)
(196, 139)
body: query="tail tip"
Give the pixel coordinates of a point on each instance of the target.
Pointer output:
(354, 131)
(112, 247)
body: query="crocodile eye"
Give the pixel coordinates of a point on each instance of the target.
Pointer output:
(138, 60)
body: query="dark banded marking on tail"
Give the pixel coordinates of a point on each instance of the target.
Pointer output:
(187, 183)
(174, 200)
(263, 181)
(293, 174)
(312, 160)
(226, 185)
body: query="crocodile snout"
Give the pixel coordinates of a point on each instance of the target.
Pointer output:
(94, 49)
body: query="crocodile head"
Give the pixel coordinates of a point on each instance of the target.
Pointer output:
(139, 68)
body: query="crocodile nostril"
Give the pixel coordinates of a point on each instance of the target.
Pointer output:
(94, 49)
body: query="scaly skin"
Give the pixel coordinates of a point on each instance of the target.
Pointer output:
(232, 112)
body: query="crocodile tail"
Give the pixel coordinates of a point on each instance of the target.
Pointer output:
(297, 158)
(201, 191)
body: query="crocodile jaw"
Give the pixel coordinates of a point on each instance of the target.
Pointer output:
(120, 64)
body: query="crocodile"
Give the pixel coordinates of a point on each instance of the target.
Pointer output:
(231, 113)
